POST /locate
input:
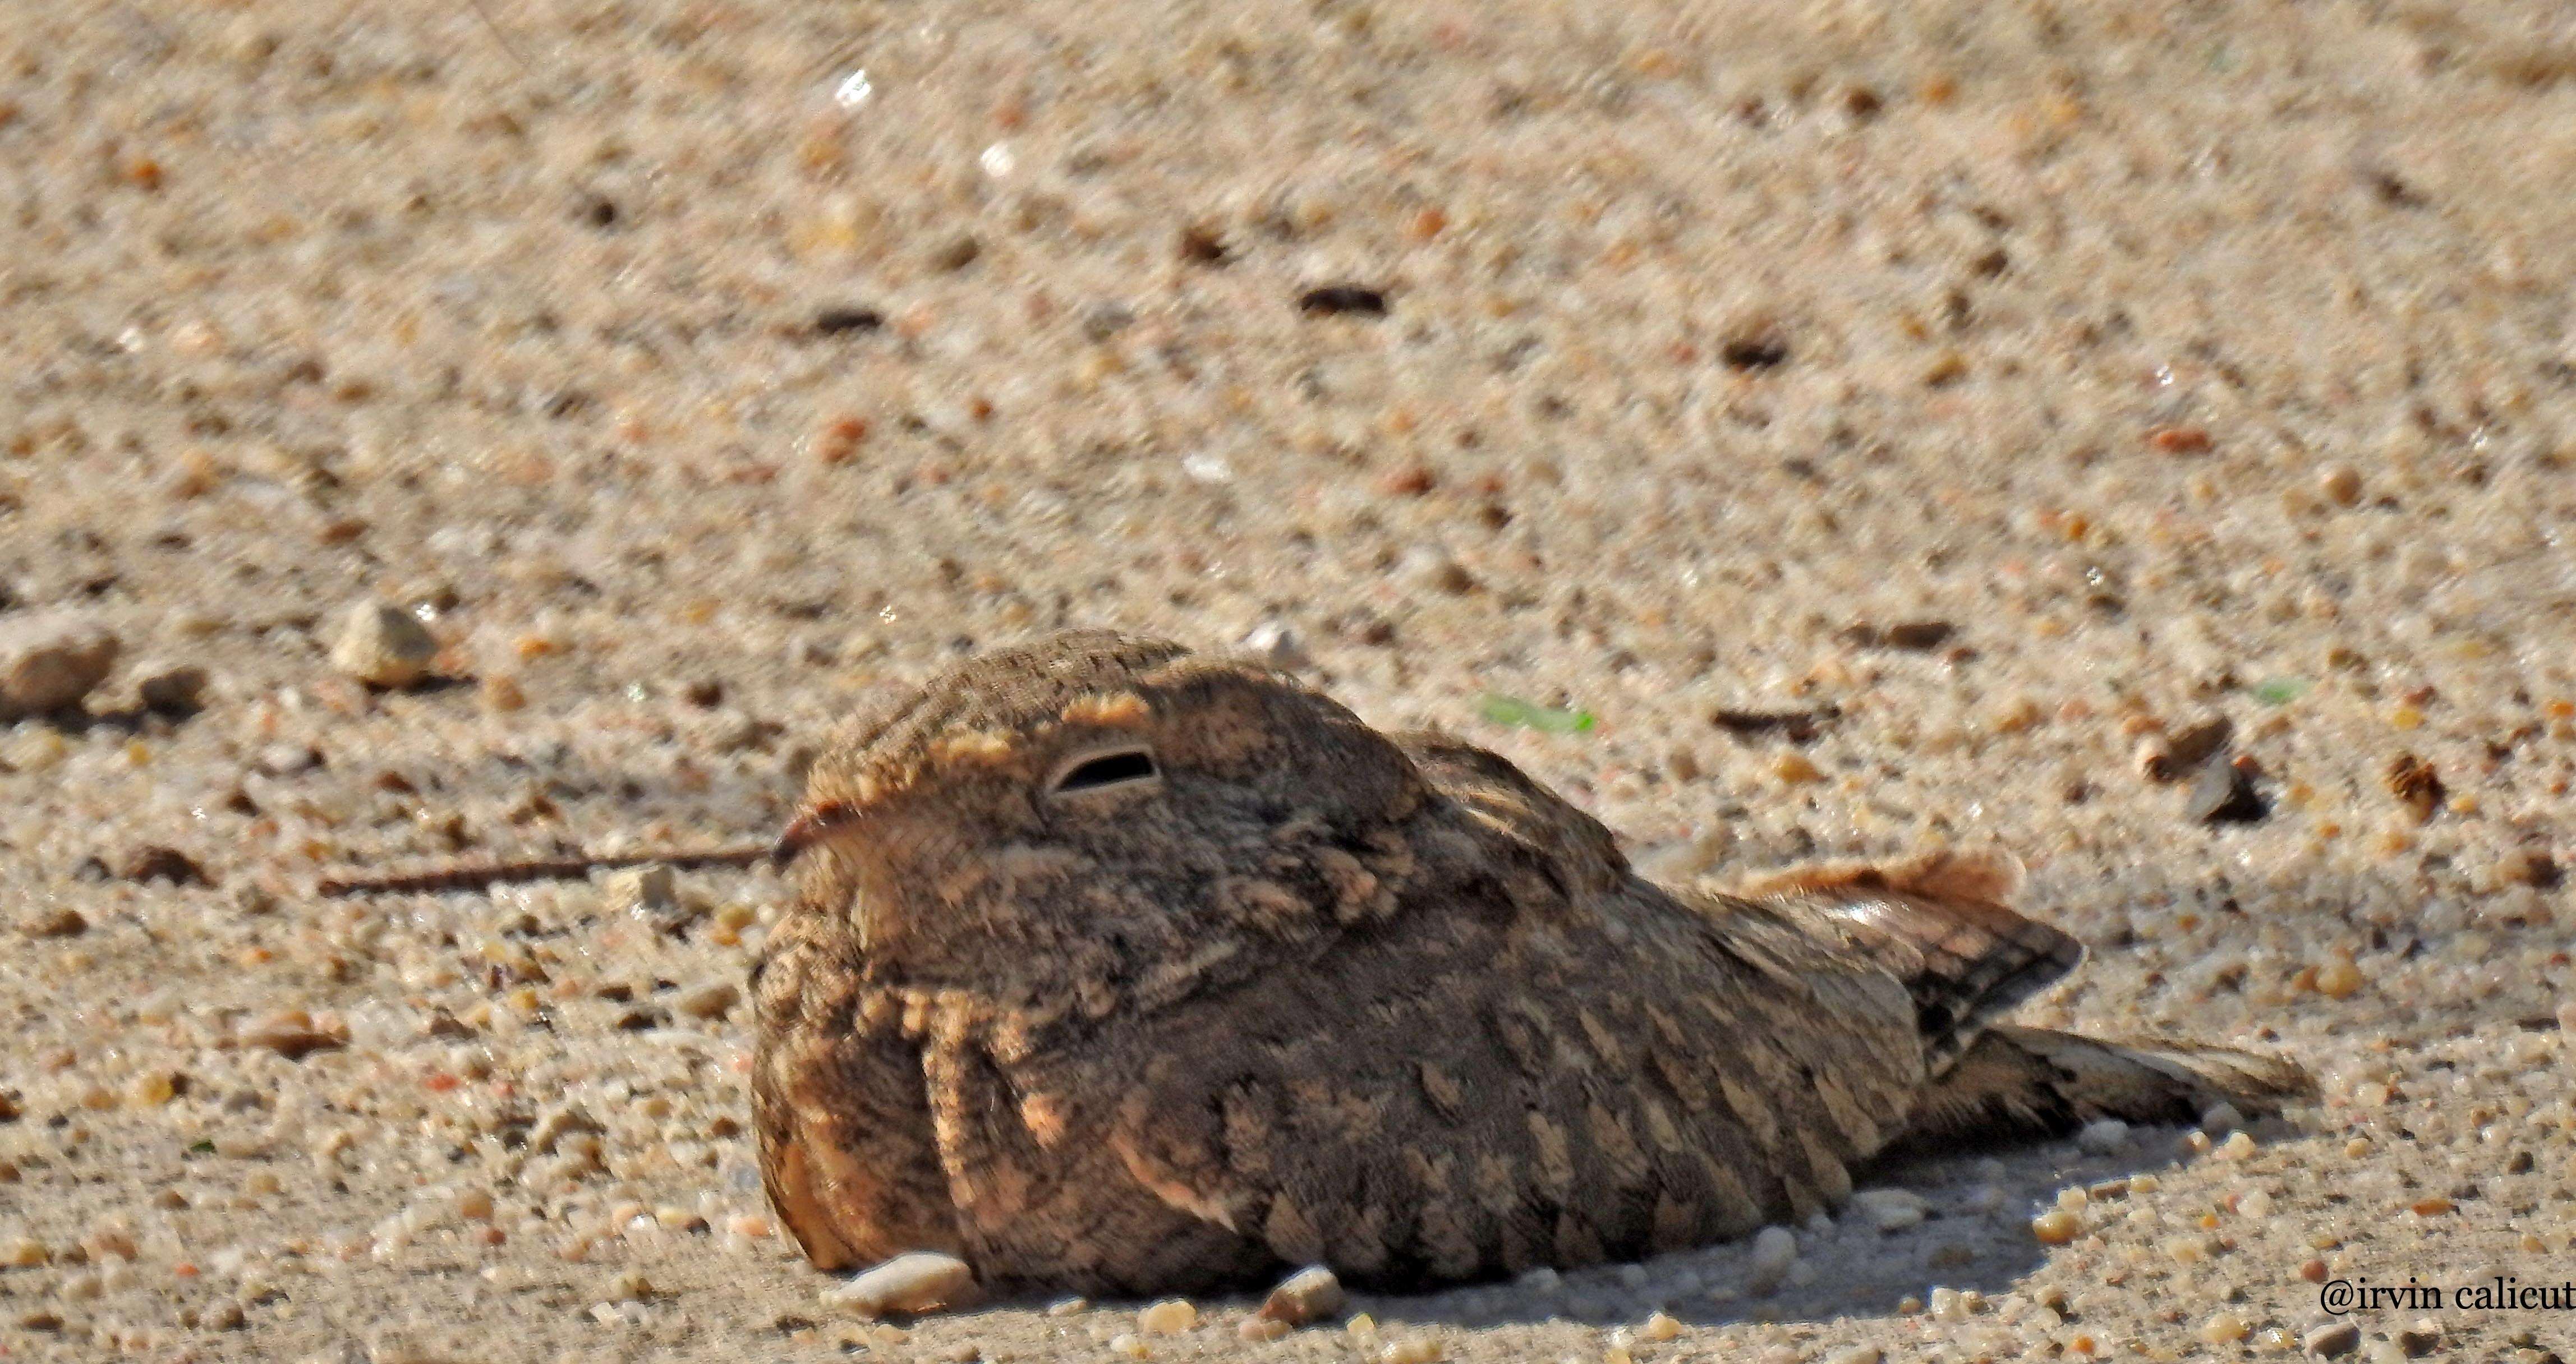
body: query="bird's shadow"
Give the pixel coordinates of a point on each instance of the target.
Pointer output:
(1975, 1234)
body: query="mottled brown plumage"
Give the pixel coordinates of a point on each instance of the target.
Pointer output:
(1121, 969)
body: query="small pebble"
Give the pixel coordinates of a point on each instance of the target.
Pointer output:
(557, 1124)
(292, 1035)
(50, 662)
(2106, 1137)
(285, 760)
(1309, 1295)
(2339, 978)
(2418, 1340)
(915, 1281)
(1276, 644)
(152, 862)
(1775, 1249)
(1411, 1350)
(2225, 1328)
(1890, 1210)
(54, 923)
(1170, 1317)
(2225, 794)
(1796, 770)
(2056, 1227)
(714, 999)
(2171, 757)
(1659, 1328)
(383, 646)
(1921, 636)
(845, 318)
(1343, 299)
(645, 891)
(2334, 1338)
(170, 688)
(502, 692)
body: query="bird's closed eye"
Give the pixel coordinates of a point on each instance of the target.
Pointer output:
(1119, 769)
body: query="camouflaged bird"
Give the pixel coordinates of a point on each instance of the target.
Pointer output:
(1120, 969)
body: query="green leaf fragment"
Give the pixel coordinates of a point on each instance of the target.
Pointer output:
(2280, 691)
(1511, 710)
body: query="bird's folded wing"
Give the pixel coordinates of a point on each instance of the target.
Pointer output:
(1455, 1097)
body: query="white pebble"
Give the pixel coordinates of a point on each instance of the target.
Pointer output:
(383, 646)
(1891, 1210)
(1775, 1252)
(916, 1281)
(2108, 1137)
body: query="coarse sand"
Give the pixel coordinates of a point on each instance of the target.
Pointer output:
(1893, 424)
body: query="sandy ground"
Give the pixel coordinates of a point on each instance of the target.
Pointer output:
(2187, 361)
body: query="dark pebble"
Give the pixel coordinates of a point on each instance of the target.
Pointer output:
(2224, 794)
(157, 863)
(2413, 780)
(1754, 352)
(836, 321)
(1797, 725)
(1343, 298)
(1201, 246)
(1922, 636)
(2200, 743)
(2176, 755)
(1102, 321)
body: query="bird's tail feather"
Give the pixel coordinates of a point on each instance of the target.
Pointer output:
(2032, 1082)
(1939, 924)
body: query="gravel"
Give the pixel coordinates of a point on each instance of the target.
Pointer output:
(1708, 334)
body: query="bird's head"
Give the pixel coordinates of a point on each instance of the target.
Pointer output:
(1096, 817)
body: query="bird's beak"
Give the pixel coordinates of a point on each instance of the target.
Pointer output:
(807, 829)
